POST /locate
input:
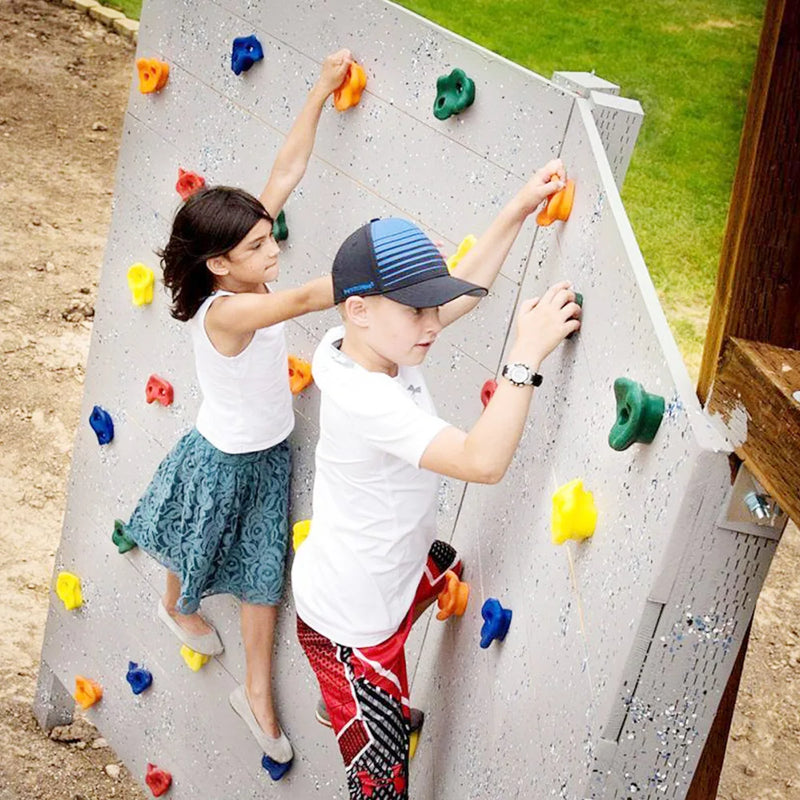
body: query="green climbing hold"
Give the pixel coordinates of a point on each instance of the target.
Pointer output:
(579, 301)
(120, 537)
(279, 229)
(454, 93)
(638, 414)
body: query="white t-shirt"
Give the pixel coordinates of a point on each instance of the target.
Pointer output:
(247, 403)
(374, 515)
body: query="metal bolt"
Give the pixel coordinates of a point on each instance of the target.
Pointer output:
(758, 505)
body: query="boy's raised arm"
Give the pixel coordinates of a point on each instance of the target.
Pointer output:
(292, 159)
(482, 263)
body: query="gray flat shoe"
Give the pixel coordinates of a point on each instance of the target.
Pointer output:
(209, 644)
(279, 749)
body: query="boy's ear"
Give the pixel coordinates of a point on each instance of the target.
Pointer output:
(355, 311)
(216, 266)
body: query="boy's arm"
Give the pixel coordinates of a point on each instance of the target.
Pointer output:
(484, 453)
(482, 263)
(292, 159)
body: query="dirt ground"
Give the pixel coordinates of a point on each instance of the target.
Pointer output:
(64, 85)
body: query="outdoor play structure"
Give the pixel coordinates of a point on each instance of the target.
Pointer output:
(628, 561)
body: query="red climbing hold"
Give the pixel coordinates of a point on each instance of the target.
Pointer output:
(158, 780)
(159, 390)
(188, 183)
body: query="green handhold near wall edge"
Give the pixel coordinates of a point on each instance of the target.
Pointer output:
(120, 537)
(279, 230)
(579, 301)
(454, 93)
(639, 414)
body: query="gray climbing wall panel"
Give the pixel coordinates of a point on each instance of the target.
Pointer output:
(620, 646)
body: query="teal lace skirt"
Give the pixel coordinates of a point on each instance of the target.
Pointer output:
(218, 520)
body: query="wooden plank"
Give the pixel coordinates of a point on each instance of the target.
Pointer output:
(758, 283)
(760, 380)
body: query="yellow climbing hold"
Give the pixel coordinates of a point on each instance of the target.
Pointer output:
(413, 741)
(574, 513)
(193, 660)
(141, 281)
(68, 589)
(300, 531)
(467, 243)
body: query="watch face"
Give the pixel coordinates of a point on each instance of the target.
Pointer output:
(519, 373)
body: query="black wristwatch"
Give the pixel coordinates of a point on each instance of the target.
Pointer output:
(521, 375)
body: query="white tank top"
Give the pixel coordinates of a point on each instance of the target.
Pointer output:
(246, 402)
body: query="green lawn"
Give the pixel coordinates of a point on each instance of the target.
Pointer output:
(130, 8)
(689, 64)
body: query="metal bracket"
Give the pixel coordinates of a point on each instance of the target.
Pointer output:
(750, 509)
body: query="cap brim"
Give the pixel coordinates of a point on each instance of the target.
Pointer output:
(435, 292)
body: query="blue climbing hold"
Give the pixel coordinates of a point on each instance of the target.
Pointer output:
(102, 425)
(138, 677)
(496, 622)
(246, 51)
(276, 769)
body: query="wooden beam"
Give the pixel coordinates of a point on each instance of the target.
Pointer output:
(755, 386)
(758, 284)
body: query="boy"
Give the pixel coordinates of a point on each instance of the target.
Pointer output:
(371, 563)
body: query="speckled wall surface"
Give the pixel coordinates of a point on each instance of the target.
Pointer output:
(619, 646)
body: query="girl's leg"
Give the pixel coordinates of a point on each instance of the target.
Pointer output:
(258, 635)
(192, 623)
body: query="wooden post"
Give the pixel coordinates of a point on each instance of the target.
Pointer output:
(758, 290)
(758, 284)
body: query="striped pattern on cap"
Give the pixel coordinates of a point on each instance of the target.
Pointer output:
(403, 254)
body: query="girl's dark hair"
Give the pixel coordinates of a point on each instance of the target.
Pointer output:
(210, 223)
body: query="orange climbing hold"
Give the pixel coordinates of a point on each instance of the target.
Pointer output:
(558, 206)
(349, 93)
(153, 74)
(87, 691)
(299, 374)
(453, 598)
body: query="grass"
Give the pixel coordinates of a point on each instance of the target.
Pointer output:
(130, 8)
(689, 64)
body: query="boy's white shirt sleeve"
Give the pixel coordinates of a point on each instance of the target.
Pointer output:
(395, 424)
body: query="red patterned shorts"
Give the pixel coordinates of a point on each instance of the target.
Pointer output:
(366, 692)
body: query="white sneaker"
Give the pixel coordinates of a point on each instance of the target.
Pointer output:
(279, 749)
(209, 644)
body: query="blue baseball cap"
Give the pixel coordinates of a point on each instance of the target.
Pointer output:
(394, 258)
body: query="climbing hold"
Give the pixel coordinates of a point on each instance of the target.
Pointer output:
(188, 183)
(413, 741)
(276, 769)
(638, 414)
(487, 391)
(87, 691)
(193, 660)
(279, 230)
(579, 301)
(68, 589)
(467, 243)
(453, 598)
(141, 281)
(299, 374)
(300, 531)
(158, 780)
(574, 514)
(153, 74)
(120, 537)
(102, 424)
(246, 51)
(558, 205)
(349, 93)
(496, 620)
(159, 390)
(454, 93)
(138, 677)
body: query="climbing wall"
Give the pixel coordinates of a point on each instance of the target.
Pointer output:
(619, 646)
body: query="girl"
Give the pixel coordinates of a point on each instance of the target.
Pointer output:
(215, 514)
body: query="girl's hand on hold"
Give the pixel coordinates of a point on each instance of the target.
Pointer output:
(544, 182)
(544, 322)
(334, 70)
